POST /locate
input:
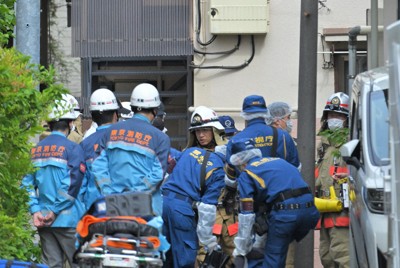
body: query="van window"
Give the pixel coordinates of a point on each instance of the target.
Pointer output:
(379, 127)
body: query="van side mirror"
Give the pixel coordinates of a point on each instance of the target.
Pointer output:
(348, 152)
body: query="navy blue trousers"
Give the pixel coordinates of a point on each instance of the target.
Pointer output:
(180, 230)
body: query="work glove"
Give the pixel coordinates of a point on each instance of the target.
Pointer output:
(260, 241)
(240, 262)
(215, 258)
(255, 253)
(205, 224)
(243, 239)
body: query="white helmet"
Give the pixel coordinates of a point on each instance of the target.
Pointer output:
(205, 117)
(75, 103)
(337, 103)
(126, 105)
(65, 108)
(145, 96)
(103, 99)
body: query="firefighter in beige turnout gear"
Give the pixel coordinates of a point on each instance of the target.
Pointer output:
(331, 175)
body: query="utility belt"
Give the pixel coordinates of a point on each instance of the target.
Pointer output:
(184, 198)
(291, 193)
(262, 211)
(181, 197)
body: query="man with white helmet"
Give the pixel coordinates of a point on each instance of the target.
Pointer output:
(124, 112)
(53, 188)
(205, 129)
(75, 134)
(198, 177)
(331, 174)
(104, 110)
(133, 153)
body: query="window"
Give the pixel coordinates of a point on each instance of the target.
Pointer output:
(379, 127)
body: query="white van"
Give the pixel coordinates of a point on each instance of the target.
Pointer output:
(367, 154)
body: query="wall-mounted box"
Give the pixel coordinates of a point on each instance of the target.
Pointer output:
(239, 16)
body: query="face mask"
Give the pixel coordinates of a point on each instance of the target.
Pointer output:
(335, 123)
(289, 125)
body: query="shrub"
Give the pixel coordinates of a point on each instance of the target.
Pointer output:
(22, 110)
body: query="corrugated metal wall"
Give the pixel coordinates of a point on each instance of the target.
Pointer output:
(131, 28)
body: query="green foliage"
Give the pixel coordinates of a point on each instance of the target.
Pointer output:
(336, 137)
(7, 20)
(22, 110)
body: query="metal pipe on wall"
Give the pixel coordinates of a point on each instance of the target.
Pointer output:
(374, 35)
(28, 28)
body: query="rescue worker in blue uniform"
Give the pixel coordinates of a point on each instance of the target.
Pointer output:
(133, 153)
(53, 188)
(273, 142)
(194, 180)
(255, 112)
(104, 110)
(278, 185)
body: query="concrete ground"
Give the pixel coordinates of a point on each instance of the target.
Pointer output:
(317, 262)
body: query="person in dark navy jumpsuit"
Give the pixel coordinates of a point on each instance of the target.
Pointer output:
(182, 191)
(278, 185)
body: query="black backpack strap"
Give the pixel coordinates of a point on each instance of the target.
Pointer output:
(203, 173)
(274, 142)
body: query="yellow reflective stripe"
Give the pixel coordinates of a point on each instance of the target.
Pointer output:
(254, 176)
(210, 172)
(246, 199)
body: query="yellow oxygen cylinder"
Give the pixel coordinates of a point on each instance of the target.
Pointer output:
(329, 205)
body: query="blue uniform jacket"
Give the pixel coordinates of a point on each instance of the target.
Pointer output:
(56, 183)
(133, 157)
(262, 135)
(264, 178)
(89, 191)
(185, 179)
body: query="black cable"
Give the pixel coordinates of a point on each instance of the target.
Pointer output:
(199, 26)
(221, 52)
(231, 67)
